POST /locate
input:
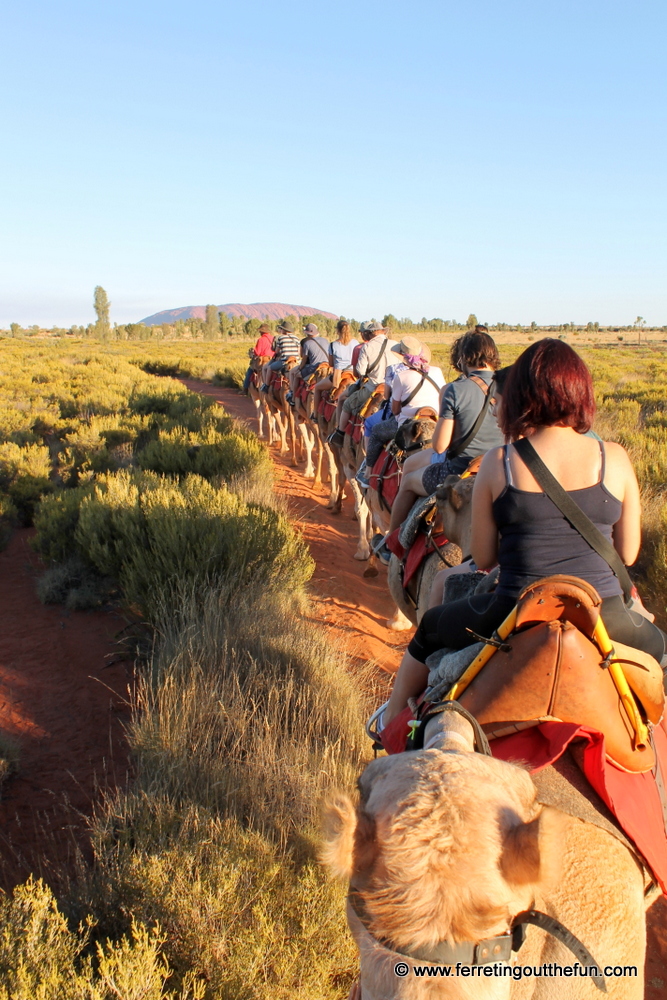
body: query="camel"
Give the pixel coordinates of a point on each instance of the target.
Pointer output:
(333, 454)
(309, 431)
(261, 405)
(455, 509)
(449, 845)
(282, 411)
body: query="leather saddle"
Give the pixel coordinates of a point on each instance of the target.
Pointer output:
(551, 668)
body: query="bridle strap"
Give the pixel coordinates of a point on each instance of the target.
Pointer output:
(488, 950)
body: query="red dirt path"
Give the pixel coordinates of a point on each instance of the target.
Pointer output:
(55, 700)
(355, 608)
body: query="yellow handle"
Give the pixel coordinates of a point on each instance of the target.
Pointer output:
(481, 659)
(601, 637)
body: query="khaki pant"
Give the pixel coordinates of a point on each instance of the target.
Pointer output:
(356, 399)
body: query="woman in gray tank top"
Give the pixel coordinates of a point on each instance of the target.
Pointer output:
(548, 398)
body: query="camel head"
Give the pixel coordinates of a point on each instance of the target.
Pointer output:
(442, 845)
(454, 499)
(415, 434)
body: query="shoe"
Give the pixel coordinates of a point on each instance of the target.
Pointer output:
(290, 399)
(361, 479)
(264, 387)
(313, 417)
(337, 438)
(381, 551)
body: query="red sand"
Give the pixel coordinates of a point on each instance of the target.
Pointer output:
(355, 609)
(65, 709)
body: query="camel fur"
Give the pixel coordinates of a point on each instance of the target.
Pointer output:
(447, 844)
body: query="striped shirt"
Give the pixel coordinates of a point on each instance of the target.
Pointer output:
(287, 346)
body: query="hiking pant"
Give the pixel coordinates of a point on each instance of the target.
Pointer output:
(246, 380)
(445, 626)
(382, 432)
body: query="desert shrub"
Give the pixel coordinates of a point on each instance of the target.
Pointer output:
(24, 477)
(155, 535)
(75, 584)
(209, 454)
(55, 521)
(246, 718)
(42, 959)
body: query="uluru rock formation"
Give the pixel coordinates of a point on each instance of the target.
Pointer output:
(256, 310)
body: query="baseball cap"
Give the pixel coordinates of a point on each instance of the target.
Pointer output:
(374, 327)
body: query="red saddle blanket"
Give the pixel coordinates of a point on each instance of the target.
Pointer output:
(276, 381)
(355, 428)
(418, 551)
(302, 391)
(386, 478)
(633, 798)
(326, 408)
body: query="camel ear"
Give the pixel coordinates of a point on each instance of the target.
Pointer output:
(340, 824)
(454, 498)
(532, 851)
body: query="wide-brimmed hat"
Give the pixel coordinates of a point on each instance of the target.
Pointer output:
(265, 328)
(285, 326)
(311, 330)
(409, 345)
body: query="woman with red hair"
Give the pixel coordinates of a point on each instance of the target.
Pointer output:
(547, 398)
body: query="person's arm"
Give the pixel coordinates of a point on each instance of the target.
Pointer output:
(442, 435)
(622, 479)
(484, 531)
(362, 362)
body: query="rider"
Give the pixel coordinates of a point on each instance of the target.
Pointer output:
(415, 383)
(370, 367)
(314, 352)
(286, 346)
(475, 355)
(262, 349)
(340, 359)
(549, 400)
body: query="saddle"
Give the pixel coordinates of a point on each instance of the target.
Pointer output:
(552, 661)
(346, 379)
(556, 663)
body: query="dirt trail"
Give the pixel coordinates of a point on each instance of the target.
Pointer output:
(65, 708)
(355, 609)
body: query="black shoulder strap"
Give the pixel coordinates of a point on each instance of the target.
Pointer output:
(574, 514)
(460, 446)
(377, 360)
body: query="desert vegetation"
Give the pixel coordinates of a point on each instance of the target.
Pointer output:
(205, 882)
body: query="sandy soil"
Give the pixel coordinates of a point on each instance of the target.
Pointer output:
(355, 609)
(65, 708)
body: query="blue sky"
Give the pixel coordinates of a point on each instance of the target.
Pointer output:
(422, 158)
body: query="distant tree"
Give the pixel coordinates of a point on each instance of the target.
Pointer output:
(16, 329)
(212, 327)
(390, 321)
(102, 307)
(471, 321)
(533, 325)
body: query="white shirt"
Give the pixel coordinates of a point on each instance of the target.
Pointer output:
(404, 383)
(369, 352)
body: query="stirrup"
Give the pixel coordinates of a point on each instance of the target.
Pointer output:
(375, 717)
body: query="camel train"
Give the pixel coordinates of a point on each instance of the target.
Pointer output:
(511, 837)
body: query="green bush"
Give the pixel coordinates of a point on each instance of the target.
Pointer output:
(56, 520)
(24, 477)
(42, 959)
(155, 536)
